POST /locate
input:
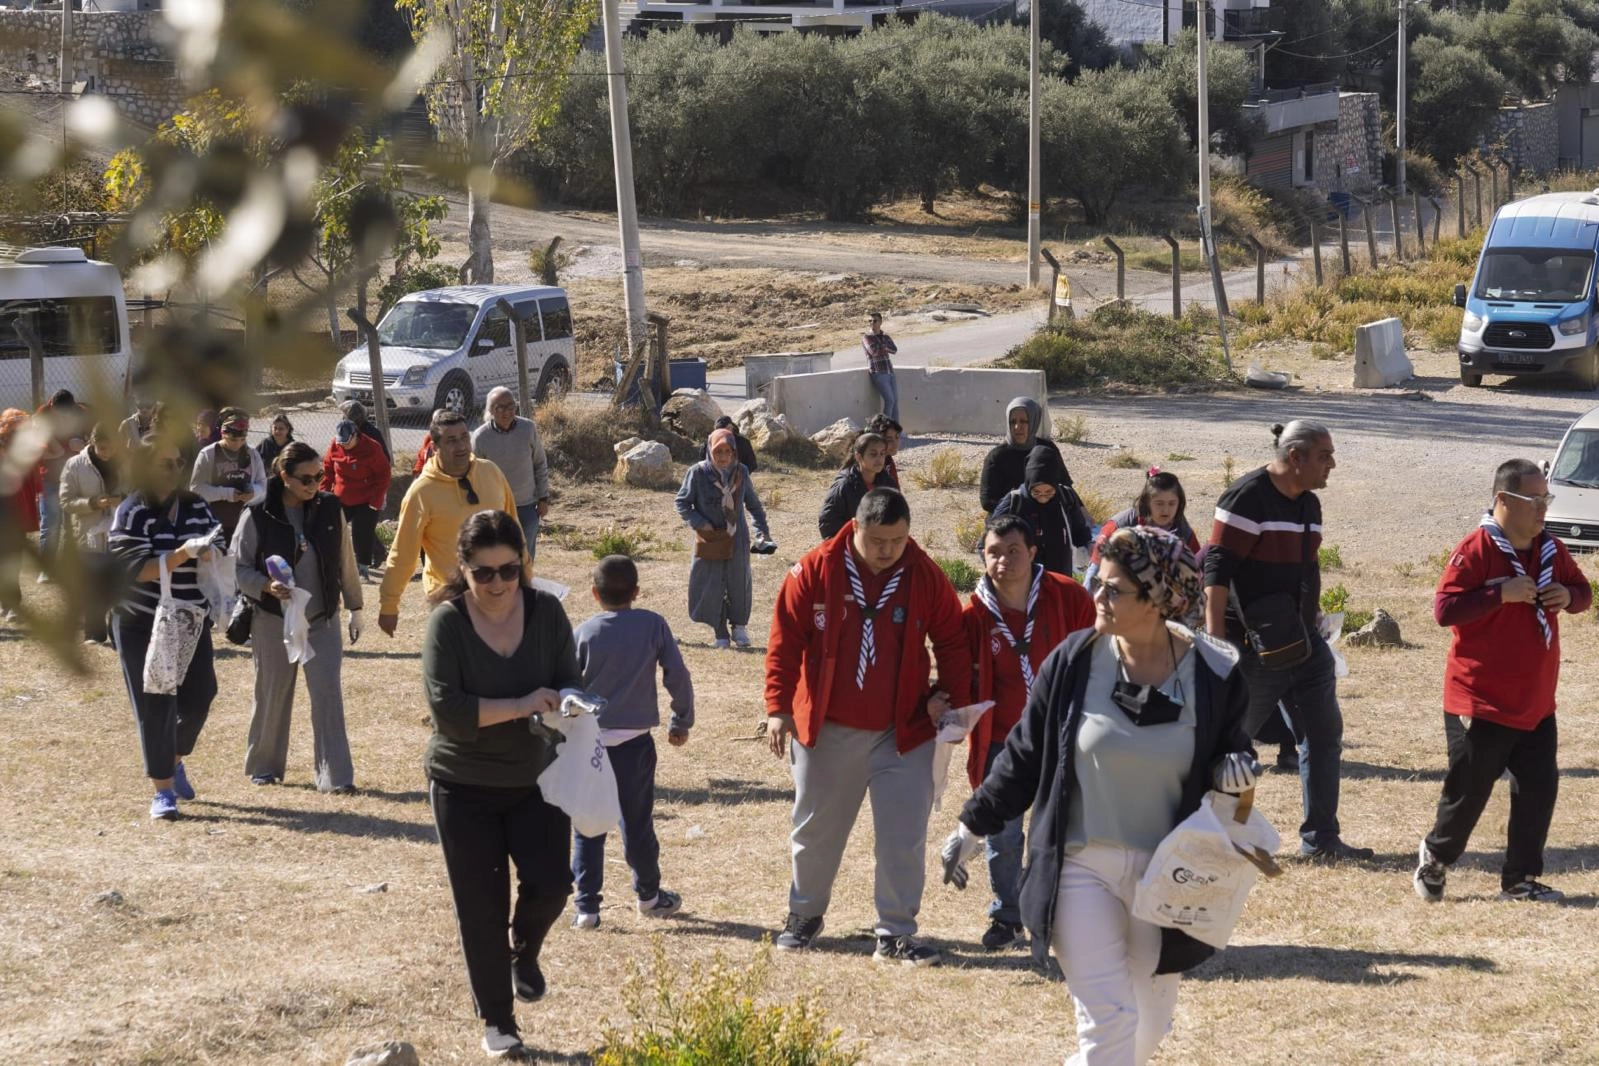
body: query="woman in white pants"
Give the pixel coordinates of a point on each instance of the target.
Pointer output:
(1126, 726)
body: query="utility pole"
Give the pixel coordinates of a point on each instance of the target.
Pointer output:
(1399, 109)
(1035, 161)
(66, 46)
(626, 207)
(1204, 111)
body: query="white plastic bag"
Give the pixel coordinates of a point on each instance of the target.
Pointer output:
(220, 583)
(955, 726)
(580, 781)
(296, 630)
(174, 635)
(1200, 875)
(1331, 627)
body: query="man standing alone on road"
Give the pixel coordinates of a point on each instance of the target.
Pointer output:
(1263, 592)
(847, 677)
(453, 486)
(512, 443)
(1502, 594)
(879, 347)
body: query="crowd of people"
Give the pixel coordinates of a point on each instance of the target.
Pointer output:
(1131, 669)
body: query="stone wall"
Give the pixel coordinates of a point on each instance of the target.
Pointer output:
(1352, 156)
(121, 55)
(1528, 135)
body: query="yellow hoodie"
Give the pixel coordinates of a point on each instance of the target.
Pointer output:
(431, 517)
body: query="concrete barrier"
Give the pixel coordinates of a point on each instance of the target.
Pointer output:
(759, 370)
(1380, 359)
(931, 399)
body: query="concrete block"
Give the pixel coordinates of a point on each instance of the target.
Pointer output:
(1380, 359)
(931, 399)
(759, 370)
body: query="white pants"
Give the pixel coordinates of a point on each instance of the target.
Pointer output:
(1109, 957)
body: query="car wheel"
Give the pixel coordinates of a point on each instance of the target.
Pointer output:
(556, 384)
(455, 394)
(1470, 380)
(1588, 376)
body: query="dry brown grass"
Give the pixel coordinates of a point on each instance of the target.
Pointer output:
(246, 933)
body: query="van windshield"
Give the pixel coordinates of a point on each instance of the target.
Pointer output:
(1535, 275)
(71, 325)
(1578, 461)
(426, 325)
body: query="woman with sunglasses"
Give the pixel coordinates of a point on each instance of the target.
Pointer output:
(1126, 727)
(229, 474)
(160, 522)
(496, 653)
(306, 528)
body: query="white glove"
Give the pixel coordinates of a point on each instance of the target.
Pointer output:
(199, 547)
(958, 847)
(357, 626)
(1236, 773)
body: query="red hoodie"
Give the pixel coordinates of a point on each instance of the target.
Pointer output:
(803, 650)
(357, 474)
(1063, 608)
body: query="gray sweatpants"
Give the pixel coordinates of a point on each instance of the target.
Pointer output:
(267, 749)
(830, 781)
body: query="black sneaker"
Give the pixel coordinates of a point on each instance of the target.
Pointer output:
(527, 980)
(798, 933)
(1530, 891)
(905, 950)
(1337, 851)
(1430, 876)
(1001, 935)
(1288, 759)
(663, 904)
(502, 1041)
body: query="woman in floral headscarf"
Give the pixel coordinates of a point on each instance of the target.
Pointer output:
(713, 499)
(1126, 727)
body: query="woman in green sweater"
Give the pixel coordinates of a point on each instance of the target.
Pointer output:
(496, 653)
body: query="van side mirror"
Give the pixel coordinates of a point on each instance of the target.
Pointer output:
(1544, 466)
(1460, 296)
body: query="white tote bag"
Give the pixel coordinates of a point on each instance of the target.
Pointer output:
(580, 781)
(296, 629)
(1201, 874)
(174, 635)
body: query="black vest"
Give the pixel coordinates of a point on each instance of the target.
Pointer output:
(324, 531)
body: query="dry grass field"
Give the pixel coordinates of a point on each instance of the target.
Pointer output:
(250, 931)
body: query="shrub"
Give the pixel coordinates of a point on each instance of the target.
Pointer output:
(578, 437)
(1228, 463)
(713, 1015)
(1121, 344)
(1178, 457)
(1125, 460)
(969, 532)
(1073, 430)
(946, 470)
(1330, 557)
(1356, 618)
(1334, 599)
(1098, 505)
(962, 574)
(547, 261)
(385, 532)
(615, 540)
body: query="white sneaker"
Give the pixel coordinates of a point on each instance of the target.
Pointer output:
(721, 642)
(741, 636)
(586, 921)
(663, 904)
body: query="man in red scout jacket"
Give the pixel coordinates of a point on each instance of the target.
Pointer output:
(1502, 594)
(1017, 615)
(847, 677)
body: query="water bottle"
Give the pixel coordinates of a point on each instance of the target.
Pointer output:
(279, 570)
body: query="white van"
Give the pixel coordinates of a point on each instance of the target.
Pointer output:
(77, 307)
(446, 348)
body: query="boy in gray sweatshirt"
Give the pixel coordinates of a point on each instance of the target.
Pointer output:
(618, 651)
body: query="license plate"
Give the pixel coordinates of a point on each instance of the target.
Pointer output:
(362, 396)
(1517, 358)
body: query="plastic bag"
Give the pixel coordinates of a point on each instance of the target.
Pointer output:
(580, 781)
(220, 583)
(1200, 876)
(1331, 627)
(296, 629)
(955, 726)
(174, 635)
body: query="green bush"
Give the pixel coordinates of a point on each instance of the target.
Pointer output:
(615, 540)
(711, 1015)
(1330, 557)
(1121, 344)
(969, 532)
(946, 470)
(962, 574)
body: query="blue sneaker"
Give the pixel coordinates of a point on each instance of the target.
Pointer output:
(165, 805)
(180, 782)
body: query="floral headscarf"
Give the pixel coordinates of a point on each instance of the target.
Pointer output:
(1164, 568)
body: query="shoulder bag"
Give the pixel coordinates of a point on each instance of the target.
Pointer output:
(1274, 625)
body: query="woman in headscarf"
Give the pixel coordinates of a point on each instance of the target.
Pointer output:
(1005, 467)
(1048, 504)
(713, 499)
(1126, 727)
(863, 472)
(1162, 503)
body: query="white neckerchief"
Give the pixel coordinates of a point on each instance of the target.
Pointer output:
(1546, 571)
(868, 613)
(987, 596)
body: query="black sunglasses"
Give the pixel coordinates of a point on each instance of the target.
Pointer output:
(471, 493)
(307, 479)
(482, 575)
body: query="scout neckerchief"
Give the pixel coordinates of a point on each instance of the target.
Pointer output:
(1546, 571)
(988, 598)
(869, 614)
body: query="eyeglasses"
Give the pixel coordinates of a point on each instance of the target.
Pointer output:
(1111, 592)
(307, 479)
(471, 493)
(482, 575)
(1537, 501)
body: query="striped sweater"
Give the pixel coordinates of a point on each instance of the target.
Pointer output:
(1258, 546)
(141, 532)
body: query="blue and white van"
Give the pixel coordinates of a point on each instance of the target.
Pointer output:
(446, 348)
(1530, 308)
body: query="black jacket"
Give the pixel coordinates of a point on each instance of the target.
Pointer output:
(1004, 469)
(843, 497)
(1036, 769)
(1060, 525)
(324, 529)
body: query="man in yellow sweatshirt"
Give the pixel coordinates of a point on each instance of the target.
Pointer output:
(453, 486)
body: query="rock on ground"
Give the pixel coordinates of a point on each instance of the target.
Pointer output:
(1381, 632)
(768, 432)
(836, 440)
(647, 465)
(691, 412)
(388, 1053)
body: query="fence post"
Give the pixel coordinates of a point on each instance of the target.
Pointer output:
(374, 351)
(1371, 234)
(1437, 216)
(1121, 267)
(1176, 275)
(1510, 182)
(1493, 187)
(1399, 233)
(1476, 182)
(1315, 248)
(1421, 227)
(524, 394)
(30, 337)
(1460, 204)
(1260, 268)
(1343, 243)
